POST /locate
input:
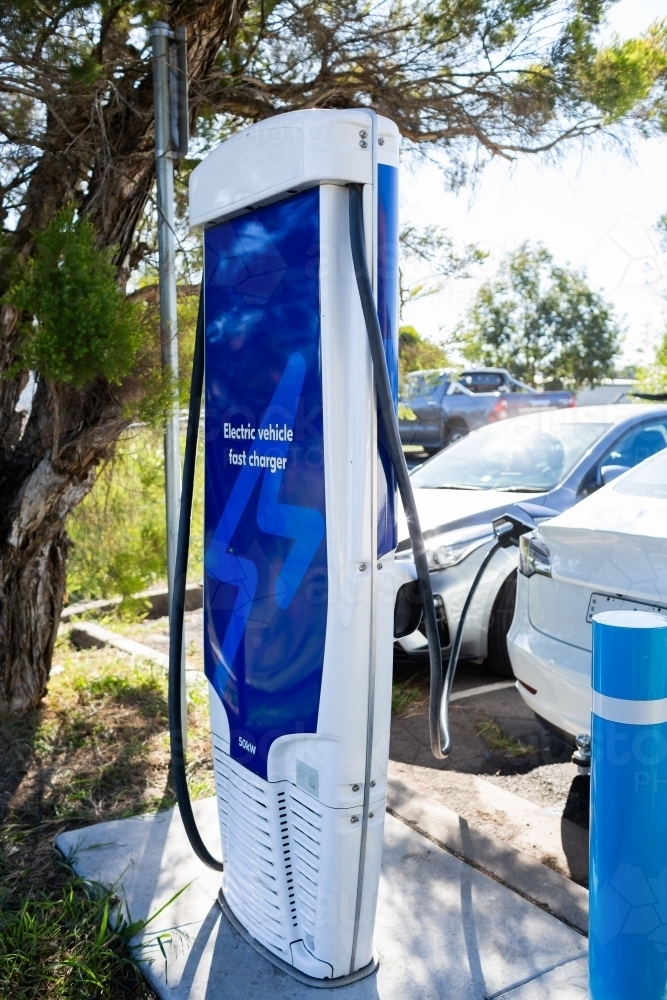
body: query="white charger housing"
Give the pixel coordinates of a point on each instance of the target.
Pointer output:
(300, 530)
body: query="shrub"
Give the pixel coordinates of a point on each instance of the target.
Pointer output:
(82, 325)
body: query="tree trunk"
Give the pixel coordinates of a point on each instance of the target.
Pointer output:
(31, 593)
(49, 455)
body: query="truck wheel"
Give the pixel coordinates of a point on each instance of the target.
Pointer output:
(499, 625)
(456, 431)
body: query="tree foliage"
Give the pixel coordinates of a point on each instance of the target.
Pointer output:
(433, 249)
(467, 76)
(79, 324)
(415, 353)
(119, 532)
(503, 76)
(652, 378)
(541, 321)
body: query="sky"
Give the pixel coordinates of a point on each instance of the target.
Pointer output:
(595, 209)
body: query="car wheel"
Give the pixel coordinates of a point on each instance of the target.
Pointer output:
(455, 432)
(499, 625)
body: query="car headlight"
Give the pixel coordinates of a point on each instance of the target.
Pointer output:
(534, 556)
(452, 547)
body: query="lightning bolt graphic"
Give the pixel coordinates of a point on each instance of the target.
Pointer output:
(303, 524)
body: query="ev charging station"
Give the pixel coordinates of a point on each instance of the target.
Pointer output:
(300, 529)
(296, 357)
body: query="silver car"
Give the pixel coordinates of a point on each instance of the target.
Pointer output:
(540, 464)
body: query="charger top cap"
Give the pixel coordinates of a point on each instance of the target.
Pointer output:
(289, 152)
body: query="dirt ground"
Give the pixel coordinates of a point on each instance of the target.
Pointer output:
(98, 749)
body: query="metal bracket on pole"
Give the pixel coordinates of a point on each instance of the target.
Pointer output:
(169, 85)
(178, 94)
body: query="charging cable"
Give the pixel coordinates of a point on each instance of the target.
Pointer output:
(507, 530)
(178, 602)
(439, 700)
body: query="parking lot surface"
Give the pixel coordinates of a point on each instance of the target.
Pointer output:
(506, 774)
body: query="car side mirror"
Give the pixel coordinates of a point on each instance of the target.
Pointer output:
(610, 472)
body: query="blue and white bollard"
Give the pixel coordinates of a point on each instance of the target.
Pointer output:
(628, 843)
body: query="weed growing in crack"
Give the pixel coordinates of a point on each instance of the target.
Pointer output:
(495, 739)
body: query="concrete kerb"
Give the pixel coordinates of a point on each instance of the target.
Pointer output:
(90, 635)
(156, 597)
(526, 876)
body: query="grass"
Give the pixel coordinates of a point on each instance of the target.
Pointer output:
(118, 531)
(405, 693)
(97, 749)
(495, 739)
(61, 944)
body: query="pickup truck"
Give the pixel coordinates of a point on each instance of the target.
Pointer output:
(436, 409)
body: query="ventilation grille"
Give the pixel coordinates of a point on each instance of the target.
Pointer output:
(287, 858)
(306, 836)
(252, 861)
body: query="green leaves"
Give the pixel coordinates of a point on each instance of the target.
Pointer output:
(541, 321)
(61, 945)
(416, 354)
(119, 529)
(619, 78)
(82, 326)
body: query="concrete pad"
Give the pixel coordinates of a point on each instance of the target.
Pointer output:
(443, 928)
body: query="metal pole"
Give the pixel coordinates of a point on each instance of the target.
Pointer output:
(164, 169)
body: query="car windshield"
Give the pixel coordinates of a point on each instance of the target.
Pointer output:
(423, 383)
(532, 454)
(648, 480)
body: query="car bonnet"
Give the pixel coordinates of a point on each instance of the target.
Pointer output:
(445, 508)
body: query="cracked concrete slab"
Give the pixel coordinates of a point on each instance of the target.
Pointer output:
(568, 981)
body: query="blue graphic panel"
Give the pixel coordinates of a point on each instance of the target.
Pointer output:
(265, 567)
(388, 316)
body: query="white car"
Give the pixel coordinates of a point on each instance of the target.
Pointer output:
(539, 464)
(607, 553)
